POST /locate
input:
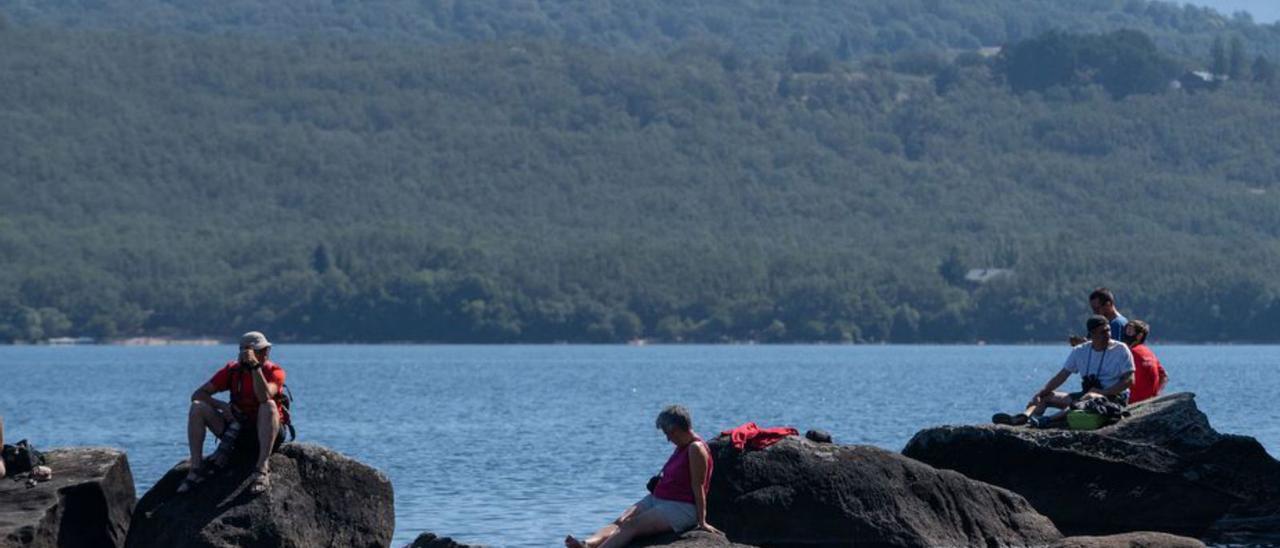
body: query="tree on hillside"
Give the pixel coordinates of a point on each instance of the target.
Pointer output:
(1264, 71)
(1122, 62)
(1219, 56)
(1238, 64)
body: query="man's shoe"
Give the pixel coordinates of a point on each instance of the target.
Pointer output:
(1002, 418)
(1019, 419)
(1038, 421)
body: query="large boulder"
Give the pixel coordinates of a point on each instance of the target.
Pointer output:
(86, 504)
(801, 493)
(317, 498)
(1162, 469)
(1144, 539)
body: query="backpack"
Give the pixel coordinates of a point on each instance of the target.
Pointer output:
(284, 397)
(21, 458)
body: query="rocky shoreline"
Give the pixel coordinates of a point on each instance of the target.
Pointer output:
(1162, 477)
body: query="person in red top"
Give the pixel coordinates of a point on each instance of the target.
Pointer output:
(679, 500)
(1149, 377)
(254, 382)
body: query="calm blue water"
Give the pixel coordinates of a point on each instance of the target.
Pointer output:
(520, 445)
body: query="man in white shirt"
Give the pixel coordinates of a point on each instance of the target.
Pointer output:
(1105, 367)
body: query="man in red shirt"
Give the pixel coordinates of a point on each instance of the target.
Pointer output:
(1149, 377)
(253, 410)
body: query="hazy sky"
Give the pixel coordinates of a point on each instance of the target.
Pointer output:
(1264, 11)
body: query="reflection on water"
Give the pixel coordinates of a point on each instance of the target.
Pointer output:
(520, 445)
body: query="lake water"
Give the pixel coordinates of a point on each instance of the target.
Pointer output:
(520, 445)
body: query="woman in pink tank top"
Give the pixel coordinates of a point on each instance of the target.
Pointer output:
(678, 502)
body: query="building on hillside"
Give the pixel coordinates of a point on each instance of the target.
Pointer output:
(983, 275)
(1198, 80)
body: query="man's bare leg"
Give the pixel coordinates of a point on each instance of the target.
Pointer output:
(201, 416)
(268, 429)
(1038, 406)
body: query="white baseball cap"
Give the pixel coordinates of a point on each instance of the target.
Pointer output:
(255, 340)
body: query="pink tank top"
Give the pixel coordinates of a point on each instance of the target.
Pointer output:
(676, 476)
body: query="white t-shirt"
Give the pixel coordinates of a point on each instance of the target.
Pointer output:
(1109, 365)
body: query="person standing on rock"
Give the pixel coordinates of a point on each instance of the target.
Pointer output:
(1105, 366)
(679, 500)
(252, 416)
(1149, 377)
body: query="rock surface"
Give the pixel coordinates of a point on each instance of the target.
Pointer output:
(1130, 540)
(691, 539)
(801, 493)
(317, 498)
(430, 540)
(1162, 469)
(86, 504)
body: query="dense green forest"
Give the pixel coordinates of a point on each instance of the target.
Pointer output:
(850, 28)
(533, 188)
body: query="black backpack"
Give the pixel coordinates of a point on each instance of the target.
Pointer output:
(21, 458)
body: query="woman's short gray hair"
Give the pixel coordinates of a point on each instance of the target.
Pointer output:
(675, 416)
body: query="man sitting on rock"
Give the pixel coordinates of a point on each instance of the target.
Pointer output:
(1106, 370)
(251, 417)
(1149, 378)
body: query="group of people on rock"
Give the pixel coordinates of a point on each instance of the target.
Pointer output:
(250, 423)
(1124, 371)
(1121, 372)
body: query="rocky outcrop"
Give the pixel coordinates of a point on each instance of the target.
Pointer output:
(430, 540)
(1162, 469)
(317, 498)
(801, 493)
(691, 539)
(1130, 540)
(86, 504)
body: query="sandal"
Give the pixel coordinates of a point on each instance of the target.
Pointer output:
(260, 483)
(194, 478)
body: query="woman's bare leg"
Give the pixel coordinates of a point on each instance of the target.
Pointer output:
(604, 533)
(649, 522)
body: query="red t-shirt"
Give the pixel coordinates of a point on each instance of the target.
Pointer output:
(244, 398)
(1148, 374)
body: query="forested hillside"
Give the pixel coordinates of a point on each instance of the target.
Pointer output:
(849, 28)
(326, 188)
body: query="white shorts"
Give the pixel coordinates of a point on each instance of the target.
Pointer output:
(681, 516)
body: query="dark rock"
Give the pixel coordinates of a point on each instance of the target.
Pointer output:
(801, 493)
(317, 498)
(690, 539)
(820, 436)
(430, 540)
(87, 503)
(1162, 469)
(1130, 540)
